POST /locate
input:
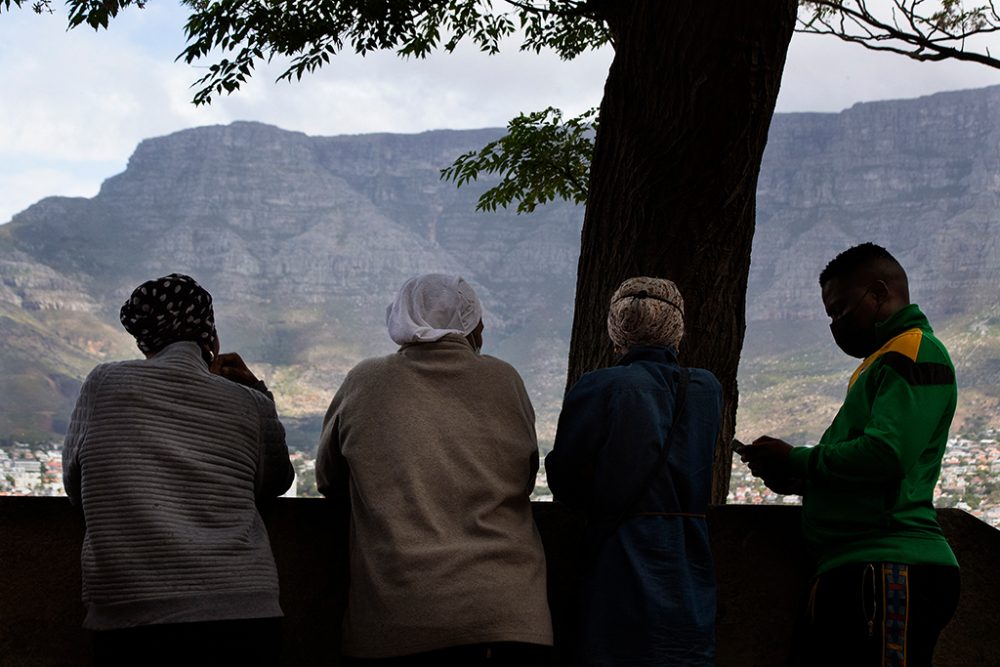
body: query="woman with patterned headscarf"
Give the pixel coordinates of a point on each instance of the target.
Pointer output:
(168, 456)
(634, 451)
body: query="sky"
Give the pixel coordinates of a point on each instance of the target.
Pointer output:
(75, 103)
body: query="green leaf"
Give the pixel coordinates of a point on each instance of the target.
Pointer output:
(541, 158)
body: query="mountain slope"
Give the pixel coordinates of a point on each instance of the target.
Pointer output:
(303, 241)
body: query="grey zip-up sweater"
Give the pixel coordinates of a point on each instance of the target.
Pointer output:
(167, 462)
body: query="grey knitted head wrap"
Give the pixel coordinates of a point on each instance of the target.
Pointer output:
(646, 311)
(167, 310)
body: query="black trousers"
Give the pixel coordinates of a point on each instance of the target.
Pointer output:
(507, 654)
(875, 614)
(246, 642)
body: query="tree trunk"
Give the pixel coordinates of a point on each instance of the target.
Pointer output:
(683, 124)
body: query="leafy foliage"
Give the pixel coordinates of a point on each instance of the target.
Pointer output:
(914, 28)
(97, 13)
(38, 6)
(540, 158)
(240, 34)
(568, 28)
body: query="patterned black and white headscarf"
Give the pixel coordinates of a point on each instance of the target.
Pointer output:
(167, 310)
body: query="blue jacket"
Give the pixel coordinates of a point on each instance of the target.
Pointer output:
(648, 597)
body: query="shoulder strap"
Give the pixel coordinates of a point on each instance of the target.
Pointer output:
(679, 400)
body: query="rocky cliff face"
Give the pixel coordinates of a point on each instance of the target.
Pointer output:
(921, 177)
(303, 241)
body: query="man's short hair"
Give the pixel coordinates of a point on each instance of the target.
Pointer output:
(860, 256)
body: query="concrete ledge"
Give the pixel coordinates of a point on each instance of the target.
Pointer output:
(757, 549)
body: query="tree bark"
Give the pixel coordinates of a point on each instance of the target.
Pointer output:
(683, 125)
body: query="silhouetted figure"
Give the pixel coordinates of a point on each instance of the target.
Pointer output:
(634, 451)
(168, 456)
(435, 448)
(886, 580)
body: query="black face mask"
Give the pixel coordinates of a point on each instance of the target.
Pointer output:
(855, 341)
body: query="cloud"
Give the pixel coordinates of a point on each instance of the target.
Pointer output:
(22, 186)
(82, 102)
(823, 73)
(78, 102)
(383, 93)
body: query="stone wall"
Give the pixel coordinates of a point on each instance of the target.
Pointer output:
(757, 549)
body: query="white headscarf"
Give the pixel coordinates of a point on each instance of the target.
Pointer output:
(429, 307)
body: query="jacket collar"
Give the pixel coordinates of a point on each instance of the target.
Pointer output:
(667, 355)
(904, 319)
(452, 341)
(183, 353)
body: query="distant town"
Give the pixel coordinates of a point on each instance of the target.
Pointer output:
(970, 476)
(970, 479)
(36, 470)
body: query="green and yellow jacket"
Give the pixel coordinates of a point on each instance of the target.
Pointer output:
(869, 483)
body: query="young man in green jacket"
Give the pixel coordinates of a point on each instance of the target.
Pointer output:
(886, 581)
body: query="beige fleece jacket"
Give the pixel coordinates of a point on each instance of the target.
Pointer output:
(435, 447)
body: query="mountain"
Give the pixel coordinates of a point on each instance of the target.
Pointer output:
(922, 178)
(303, 241)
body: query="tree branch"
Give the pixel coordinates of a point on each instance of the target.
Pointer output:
(938, 36)
(586, 8)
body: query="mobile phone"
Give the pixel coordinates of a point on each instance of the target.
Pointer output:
(737, 446)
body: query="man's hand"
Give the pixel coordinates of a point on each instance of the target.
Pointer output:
(232, 367)
(767, 458)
